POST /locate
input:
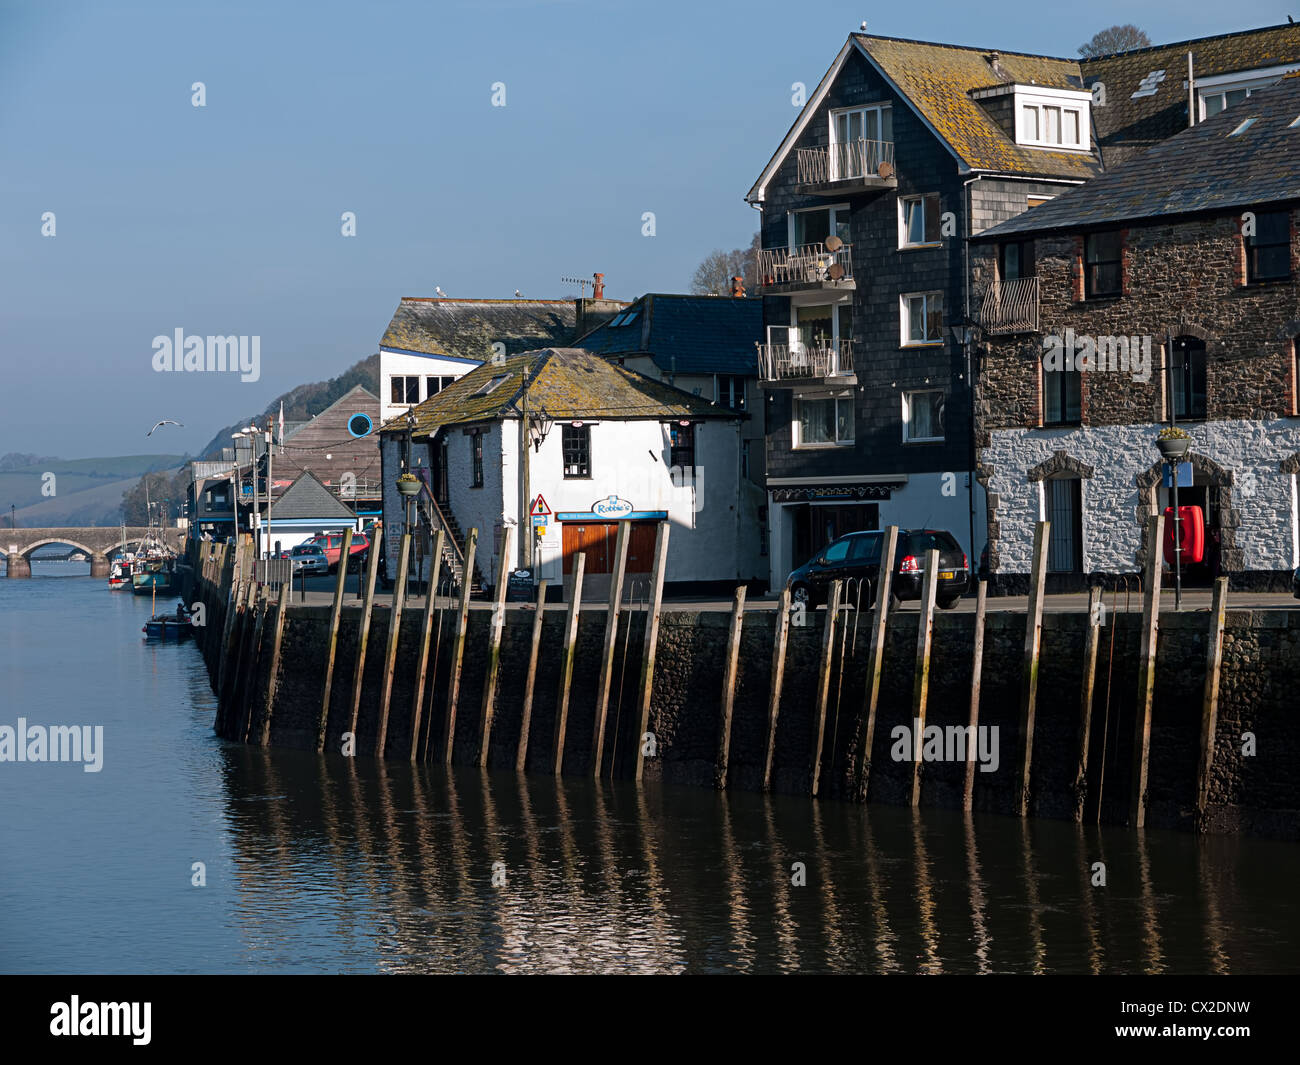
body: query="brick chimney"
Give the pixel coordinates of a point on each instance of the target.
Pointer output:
(737, 288)
(598, 292)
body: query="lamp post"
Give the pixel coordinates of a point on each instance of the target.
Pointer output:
(270, 488)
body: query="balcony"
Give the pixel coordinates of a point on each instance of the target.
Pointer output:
(841, 169)
(822, 362)
(805, 268)
(1011, 306)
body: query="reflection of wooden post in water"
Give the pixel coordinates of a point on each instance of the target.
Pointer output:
(879, 633)
(729, 687)
(976, 678)
(736, 906)
(336, 612)
(394, 630)
(496, 626)
(1150, 922)
(426, 631)
(650, 638)
(458, 649)
(526, 717)
(1085, 699)
(1033, 644)
(1146, 670)
(611, 640)
(363, 631)
(1088, 909)
(787, 932)
(282, 608)
(837, 955)
(886, 937)
(1031, 897)
(566, 663)
(976, 881)
(921, 675)
(1210, 700)
(780, 635)
(824, 681)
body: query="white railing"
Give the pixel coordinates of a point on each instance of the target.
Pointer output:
(843, 162)
(809, 264)
(782, 362)
(1011, 306)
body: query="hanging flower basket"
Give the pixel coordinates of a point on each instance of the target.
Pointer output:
(408, 484)
(1173, 443)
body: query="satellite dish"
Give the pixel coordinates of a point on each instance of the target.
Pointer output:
(833, 243)
(885, 170)
(836, 272)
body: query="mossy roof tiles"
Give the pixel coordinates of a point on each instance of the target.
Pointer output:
(467, 329)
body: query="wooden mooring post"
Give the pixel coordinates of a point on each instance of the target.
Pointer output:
(1146, 669)
(458, 649)
(526, 714)
(363, 628)
(608, 649)
(1029, 676)
(282, 608)
(426, 632)
(1096, 613)
(1210, 700)
(336, 612)
(261, 606)
(566, 663)
(976, 679)
(780, 635)
(875, 660)
(394, 631)
(649, 640)
(495, 629)
(921, 673)
(729, 688)
(824, 681)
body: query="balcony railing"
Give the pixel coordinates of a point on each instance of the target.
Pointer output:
(1011, 306)
(809, 264)
(843, 162)
(820, 360)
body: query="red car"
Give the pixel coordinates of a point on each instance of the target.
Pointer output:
(332, 544)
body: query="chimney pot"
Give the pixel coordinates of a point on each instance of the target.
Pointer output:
(598, 290)
(737, 287)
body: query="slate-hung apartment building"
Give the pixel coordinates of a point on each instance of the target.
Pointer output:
(904, 151)
(1177, 279)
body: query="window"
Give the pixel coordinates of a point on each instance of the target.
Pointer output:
(866, 550)
(1061, 397)
(856, 134)
(1037, 201)
(1103, 264)
(813, 227)
(922, 416)
(681, 449)
(1065, 538)
(575, 441)
(744, 458)
(1016, 260)
(1187, 368)
(1268, 251)
(730, 391)
(1052, 125)
(922, 316)
(476, 452)
(492, 384)
(1214, 102)
(404, 389)
(434, 385)
(918, 220)
(838, 551)
(823, 422)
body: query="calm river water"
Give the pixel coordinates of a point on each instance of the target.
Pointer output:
(321, 864)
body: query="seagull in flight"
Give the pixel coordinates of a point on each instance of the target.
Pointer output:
(165, 421)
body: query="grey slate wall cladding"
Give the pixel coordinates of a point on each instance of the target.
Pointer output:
(994, 200)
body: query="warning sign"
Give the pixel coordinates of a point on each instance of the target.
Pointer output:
(540, 507)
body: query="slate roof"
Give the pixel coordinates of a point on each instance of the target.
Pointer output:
(685, 334)
(568, 383)
(308, 498)
(938, 79)
(1202, 169)
(1127, 126)
(467, 329)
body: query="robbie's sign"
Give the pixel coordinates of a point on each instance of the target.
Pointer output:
(612, 507)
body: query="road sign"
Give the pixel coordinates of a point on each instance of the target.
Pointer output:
(539, 506)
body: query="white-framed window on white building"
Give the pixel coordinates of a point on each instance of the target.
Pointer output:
(856, 134)
(1221, 91)
(918, 220)
(921, 315)
(1047, 118)
(923, 416)
(404, 388)
(823, 422)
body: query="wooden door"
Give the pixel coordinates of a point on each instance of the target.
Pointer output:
(641, 546)
(595, 539)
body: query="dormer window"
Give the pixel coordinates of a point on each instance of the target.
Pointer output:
(1051, 125)
(1044, 117)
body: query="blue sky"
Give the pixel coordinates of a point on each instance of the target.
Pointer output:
(225, 219)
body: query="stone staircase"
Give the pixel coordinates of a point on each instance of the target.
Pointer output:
(453, 548)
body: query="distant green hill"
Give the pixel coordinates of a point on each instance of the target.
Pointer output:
(86, 491)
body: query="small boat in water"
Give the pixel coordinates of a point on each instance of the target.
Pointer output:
(169, 626)
(153, 576)
(119, 577)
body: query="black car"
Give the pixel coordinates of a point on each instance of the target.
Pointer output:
(856, 557)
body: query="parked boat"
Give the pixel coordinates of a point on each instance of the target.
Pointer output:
(119, 576)
(169, 626)
(153, 576)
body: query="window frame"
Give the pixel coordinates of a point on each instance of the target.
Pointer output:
(1181, 366)
(1048, 383)
(930, 240)
(737, 390)
(406, 380)
(1252, 275)
(581, 450)
(905, 319)
(476, 458)
(681, 446)
(1089, 289)
(796, 434)
(837, 214)
(907, 403)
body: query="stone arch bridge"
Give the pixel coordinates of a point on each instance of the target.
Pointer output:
(100, 543)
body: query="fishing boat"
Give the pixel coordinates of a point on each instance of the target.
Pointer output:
(119, 575)
(169, 626)
(153, 576)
